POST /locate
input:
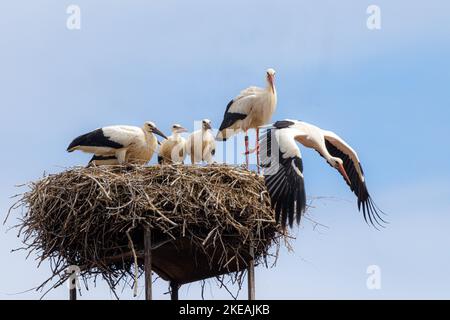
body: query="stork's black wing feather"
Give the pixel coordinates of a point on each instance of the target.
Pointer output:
(97, 158)
(94, 138)
(284, 181)
(358, 186)
(229, 118)
(281, 124)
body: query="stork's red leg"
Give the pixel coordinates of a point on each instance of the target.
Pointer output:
(246, 149)
(257, 149)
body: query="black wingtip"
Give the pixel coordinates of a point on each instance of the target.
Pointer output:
(375, 211)
(71, 146)
(371, 214)
(221, 136)
(281, 124)
(98, 157)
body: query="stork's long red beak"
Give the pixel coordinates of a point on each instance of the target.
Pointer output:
(344, 173)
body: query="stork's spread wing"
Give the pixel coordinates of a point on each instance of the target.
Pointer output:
(337, 147)
(283, 175)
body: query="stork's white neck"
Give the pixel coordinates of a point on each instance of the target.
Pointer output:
(175, 135)
(149, 136)
(330, 159)
(322, 149)
(271, 87)
(206, 132)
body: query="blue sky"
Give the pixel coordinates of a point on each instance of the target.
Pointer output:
(385, 92)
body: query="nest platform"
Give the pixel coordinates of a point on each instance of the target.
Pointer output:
(203, 221)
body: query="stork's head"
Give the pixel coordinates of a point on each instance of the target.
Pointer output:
(150, 127)
(338, 164)
(176, 128)
(270, 75)
(206, 124)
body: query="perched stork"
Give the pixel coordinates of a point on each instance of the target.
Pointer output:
(119, 144)
(172, 150)
(200, 144)
(252, 108)
(284, 176)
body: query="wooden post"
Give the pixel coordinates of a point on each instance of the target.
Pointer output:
(174, 290)
(73, 293)
(251, 274)
(73, 281)
(148, 263)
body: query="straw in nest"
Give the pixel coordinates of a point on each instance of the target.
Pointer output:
(94, 218)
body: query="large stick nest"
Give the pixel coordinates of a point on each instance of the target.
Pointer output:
(95, 218)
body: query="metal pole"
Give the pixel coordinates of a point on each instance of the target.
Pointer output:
(174, 290)
(251, 274)
(148, 263)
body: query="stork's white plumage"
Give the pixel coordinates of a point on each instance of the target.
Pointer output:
(201, 145)
(284, 176)
(173, 150)
(119, 144)
(252, 108)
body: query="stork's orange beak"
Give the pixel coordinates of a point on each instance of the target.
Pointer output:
(344, 173)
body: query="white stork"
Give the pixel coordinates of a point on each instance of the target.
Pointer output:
(252, 108)
(284, 176)
(119, 144)
(173, 150)
(201, 145)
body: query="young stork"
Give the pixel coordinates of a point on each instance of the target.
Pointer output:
(200, 144)
(119, 144)
(284, 176)
(252, 108)
(172, 150)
